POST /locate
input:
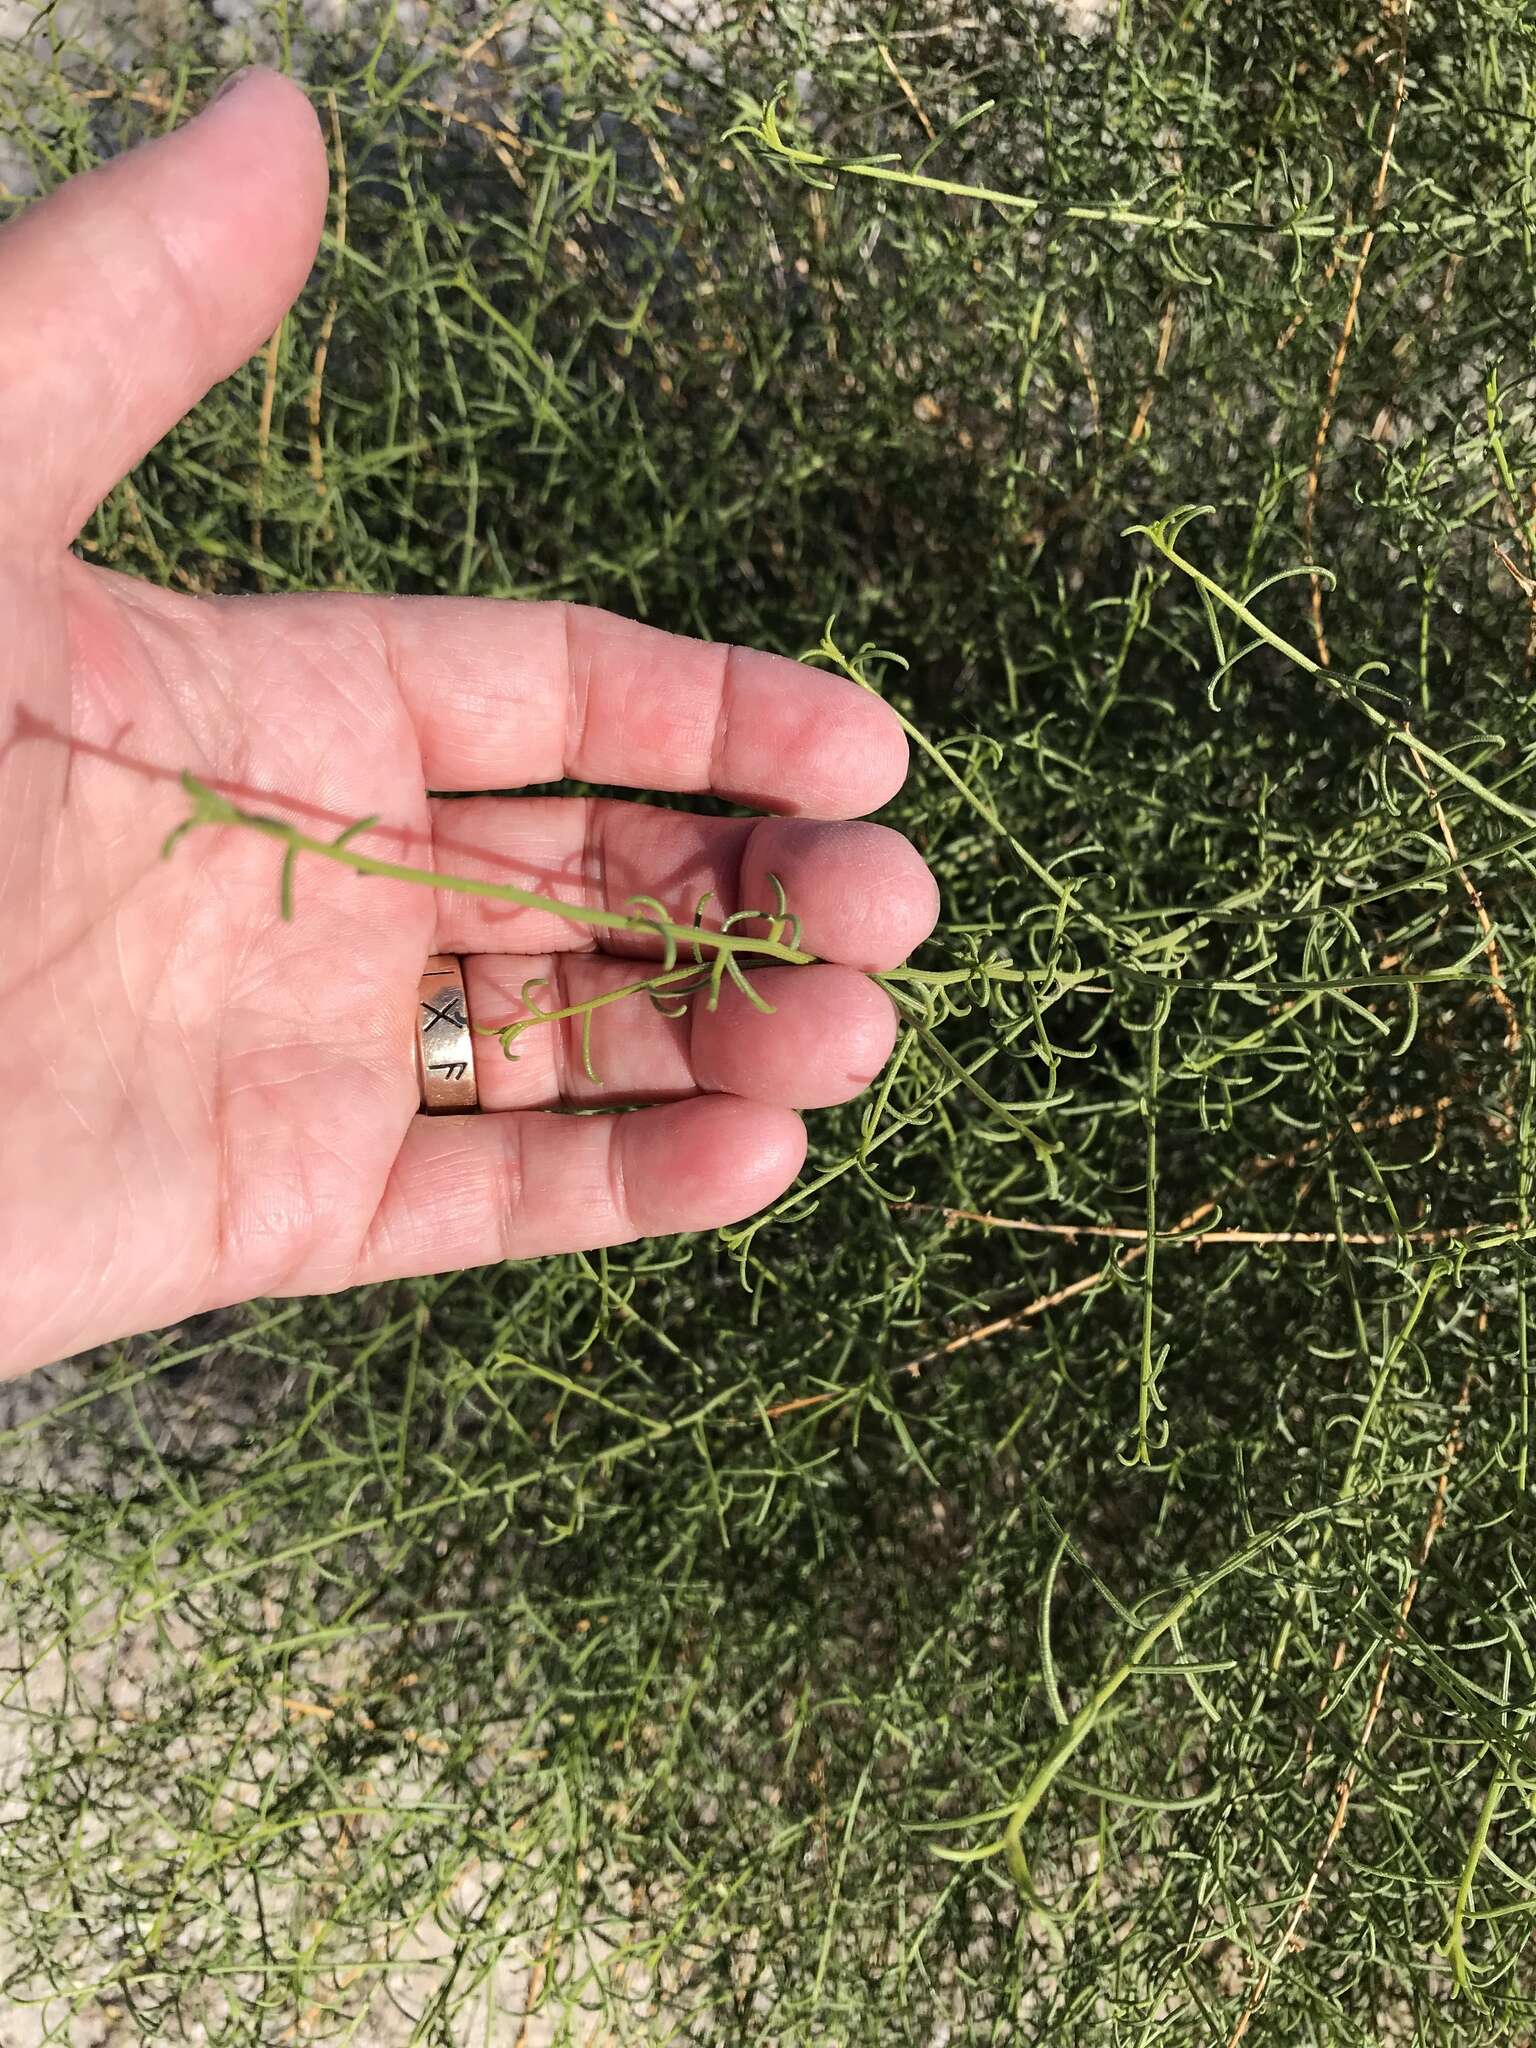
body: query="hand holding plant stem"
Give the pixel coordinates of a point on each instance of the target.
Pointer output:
(725, 955)
(715, 953)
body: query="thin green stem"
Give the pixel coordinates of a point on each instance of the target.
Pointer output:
(1159, 533)
(819, 168)
(211, 808)
(1061, 894)
(1146, 1380)
(1455, 1944)
(1083, 1722)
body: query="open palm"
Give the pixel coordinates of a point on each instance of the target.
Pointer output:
(202, 1102)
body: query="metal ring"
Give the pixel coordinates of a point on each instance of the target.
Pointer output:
(444, 1047)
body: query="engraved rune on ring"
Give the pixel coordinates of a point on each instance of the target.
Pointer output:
(446, 1010)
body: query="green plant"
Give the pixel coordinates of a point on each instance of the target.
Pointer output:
(1115, 1471)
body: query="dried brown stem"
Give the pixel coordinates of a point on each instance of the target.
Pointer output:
(1186, 1225)
(906, 92)
(1131, 1234)
(270, 357)
(1160, 364)
(1497, 986)
(328, 323)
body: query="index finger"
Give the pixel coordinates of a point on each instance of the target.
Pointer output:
(502, 694)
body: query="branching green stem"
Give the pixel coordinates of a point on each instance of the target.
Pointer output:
(1455, 1942)
(1084, 1721)
(854, 666)
(716, 954)
(1163, 534)
(1314, 224)
(212, 808)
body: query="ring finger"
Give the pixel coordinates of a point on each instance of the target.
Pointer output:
(829, 1033)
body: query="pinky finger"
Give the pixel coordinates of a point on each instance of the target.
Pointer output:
(469, 1191)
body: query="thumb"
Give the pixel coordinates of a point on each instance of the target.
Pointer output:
(131, 290)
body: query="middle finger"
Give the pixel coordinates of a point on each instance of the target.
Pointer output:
(861, 891)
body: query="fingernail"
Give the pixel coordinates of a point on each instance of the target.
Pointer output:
(235, 78)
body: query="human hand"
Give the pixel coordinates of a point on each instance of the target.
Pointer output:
(204, 1103)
